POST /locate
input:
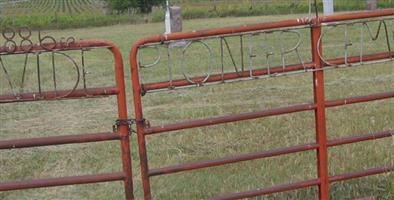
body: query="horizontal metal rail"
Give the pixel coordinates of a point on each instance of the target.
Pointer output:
(365, 58)
(64, 94)
(231, 159)
(356, 16)
(229, 119)
(368, 172)
(265, 154)
(57, 140)
(303, 184)
(261, 26)
(360, 99)
(53, 182)
(225, 77)
(275, 189)
(264, 113)
(262, 72)
(360, 138)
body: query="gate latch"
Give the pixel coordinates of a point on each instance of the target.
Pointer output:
(124, 122)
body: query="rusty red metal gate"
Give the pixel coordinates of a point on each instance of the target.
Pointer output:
(48, 45)
(316, 66)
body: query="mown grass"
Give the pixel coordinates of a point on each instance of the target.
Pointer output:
(72, 117)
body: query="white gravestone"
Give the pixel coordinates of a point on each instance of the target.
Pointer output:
(173, 19)
(328, 7)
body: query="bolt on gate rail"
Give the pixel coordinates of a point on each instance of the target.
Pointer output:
(47, 45)
(317, 66)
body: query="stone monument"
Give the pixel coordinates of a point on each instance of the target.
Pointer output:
(173, 19)
(372, 4)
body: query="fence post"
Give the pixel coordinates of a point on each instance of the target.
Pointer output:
(123, 129)
(140, 123)
(320, 114)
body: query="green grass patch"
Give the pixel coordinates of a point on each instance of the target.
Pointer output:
(97, 115)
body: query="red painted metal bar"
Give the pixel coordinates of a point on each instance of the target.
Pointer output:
(57, 140)
(261, 72)
(20, 185)
(275, 189)
(365, 58)
(264, 113)
(261, 26)
(304, 184)
(225, 77)
(332, 179)
(64, 94)
(229, 118)
(123, 129)
(265, 154)
(320, 113)
(360, 138)
(360, 99)
(221, 31)
(231, 159)
(357, 15)
(369, 172)
(140, 123)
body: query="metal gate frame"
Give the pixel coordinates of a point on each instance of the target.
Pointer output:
(319, 106)
(122, 124)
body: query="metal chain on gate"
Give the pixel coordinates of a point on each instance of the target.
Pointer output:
(124, 122)
(129, 123)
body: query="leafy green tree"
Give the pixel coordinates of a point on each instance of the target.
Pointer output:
(144, 6)
(119, 5)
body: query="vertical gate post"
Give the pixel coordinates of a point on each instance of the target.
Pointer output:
(123, 129)
(140, 122)
(320, 113)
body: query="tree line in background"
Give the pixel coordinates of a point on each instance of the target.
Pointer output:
(144, 6)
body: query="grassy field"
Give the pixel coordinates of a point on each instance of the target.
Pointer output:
(45, 7)
(96, 115)
(50, 14)
(62, 14)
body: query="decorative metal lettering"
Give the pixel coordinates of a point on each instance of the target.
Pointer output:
(364, 27)
(45, 45)
(268, 50)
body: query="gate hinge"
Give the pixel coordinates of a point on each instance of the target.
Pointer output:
(124, 122)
